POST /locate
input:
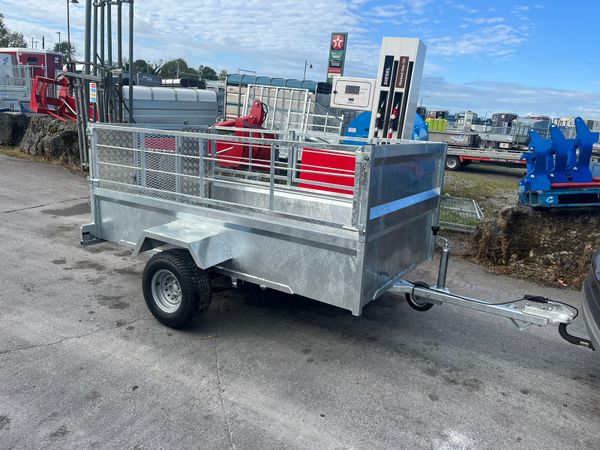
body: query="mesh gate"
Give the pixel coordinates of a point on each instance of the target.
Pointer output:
(459, 214)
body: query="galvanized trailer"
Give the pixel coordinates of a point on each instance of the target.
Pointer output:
(342, 231)
(255, 223)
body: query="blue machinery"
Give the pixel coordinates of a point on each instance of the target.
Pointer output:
(558, 169)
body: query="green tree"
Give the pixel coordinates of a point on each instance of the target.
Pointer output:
(223, 75)
(207, 73)
(143, 66)
(176, 68)
(9, 38)
(63, 47)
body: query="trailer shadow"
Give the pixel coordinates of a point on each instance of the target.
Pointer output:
(390, 327)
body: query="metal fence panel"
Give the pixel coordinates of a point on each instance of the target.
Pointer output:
(292, 109)
(459, 214)
(231, 171)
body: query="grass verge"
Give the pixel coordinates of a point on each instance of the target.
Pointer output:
(16, 152)
(492, 187)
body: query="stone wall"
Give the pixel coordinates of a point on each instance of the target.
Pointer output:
(12, 128)
(40, 135)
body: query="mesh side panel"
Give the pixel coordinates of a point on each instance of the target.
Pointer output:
(181, 167)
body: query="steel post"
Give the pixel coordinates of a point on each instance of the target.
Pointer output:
(109, 32)
(95, 39)
(120, 58)
(109, 78)
(131, 61)
(102, 14)
(95, 55)
(88, 35)
(68, 29)
(102, 106)
(87, 57)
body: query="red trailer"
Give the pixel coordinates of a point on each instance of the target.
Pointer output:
(18, 69)
(43, 62)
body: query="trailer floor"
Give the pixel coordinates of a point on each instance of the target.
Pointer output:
(83, 364)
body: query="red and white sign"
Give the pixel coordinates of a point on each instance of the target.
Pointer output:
(338, 41)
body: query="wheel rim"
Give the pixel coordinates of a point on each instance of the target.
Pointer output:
(166, 291)
(451, 163)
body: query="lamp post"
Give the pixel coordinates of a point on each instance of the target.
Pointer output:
(307, 65)
(69, 26)
(58, 32)
(422, 97)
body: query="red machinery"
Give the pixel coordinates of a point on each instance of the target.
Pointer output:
(51, 96)
(320, 169)
(236, 154)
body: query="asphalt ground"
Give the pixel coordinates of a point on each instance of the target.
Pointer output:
(83, 364)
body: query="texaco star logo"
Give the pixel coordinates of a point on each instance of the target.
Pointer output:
(337, 42)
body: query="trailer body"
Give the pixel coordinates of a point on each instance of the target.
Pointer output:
(458, 157)
(152, 188)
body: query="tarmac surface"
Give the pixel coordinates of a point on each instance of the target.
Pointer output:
(83, 364)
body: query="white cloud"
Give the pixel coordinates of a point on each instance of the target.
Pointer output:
(417, 22)
(495, 40)
(521, 8)
(275, 38)
(283, 32)
(432, 69)
(465, 8)
(385, 12)
(400, 7)
(482, 20)
(418, 6)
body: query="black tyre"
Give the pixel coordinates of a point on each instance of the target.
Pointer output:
(176, 291)
(452, 162)
(415, 304)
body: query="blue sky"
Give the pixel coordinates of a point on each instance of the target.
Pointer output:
(538, 57)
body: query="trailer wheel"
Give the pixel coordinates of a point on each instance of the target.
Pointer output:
(452, 162)
(176, 291)
(415, 304)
